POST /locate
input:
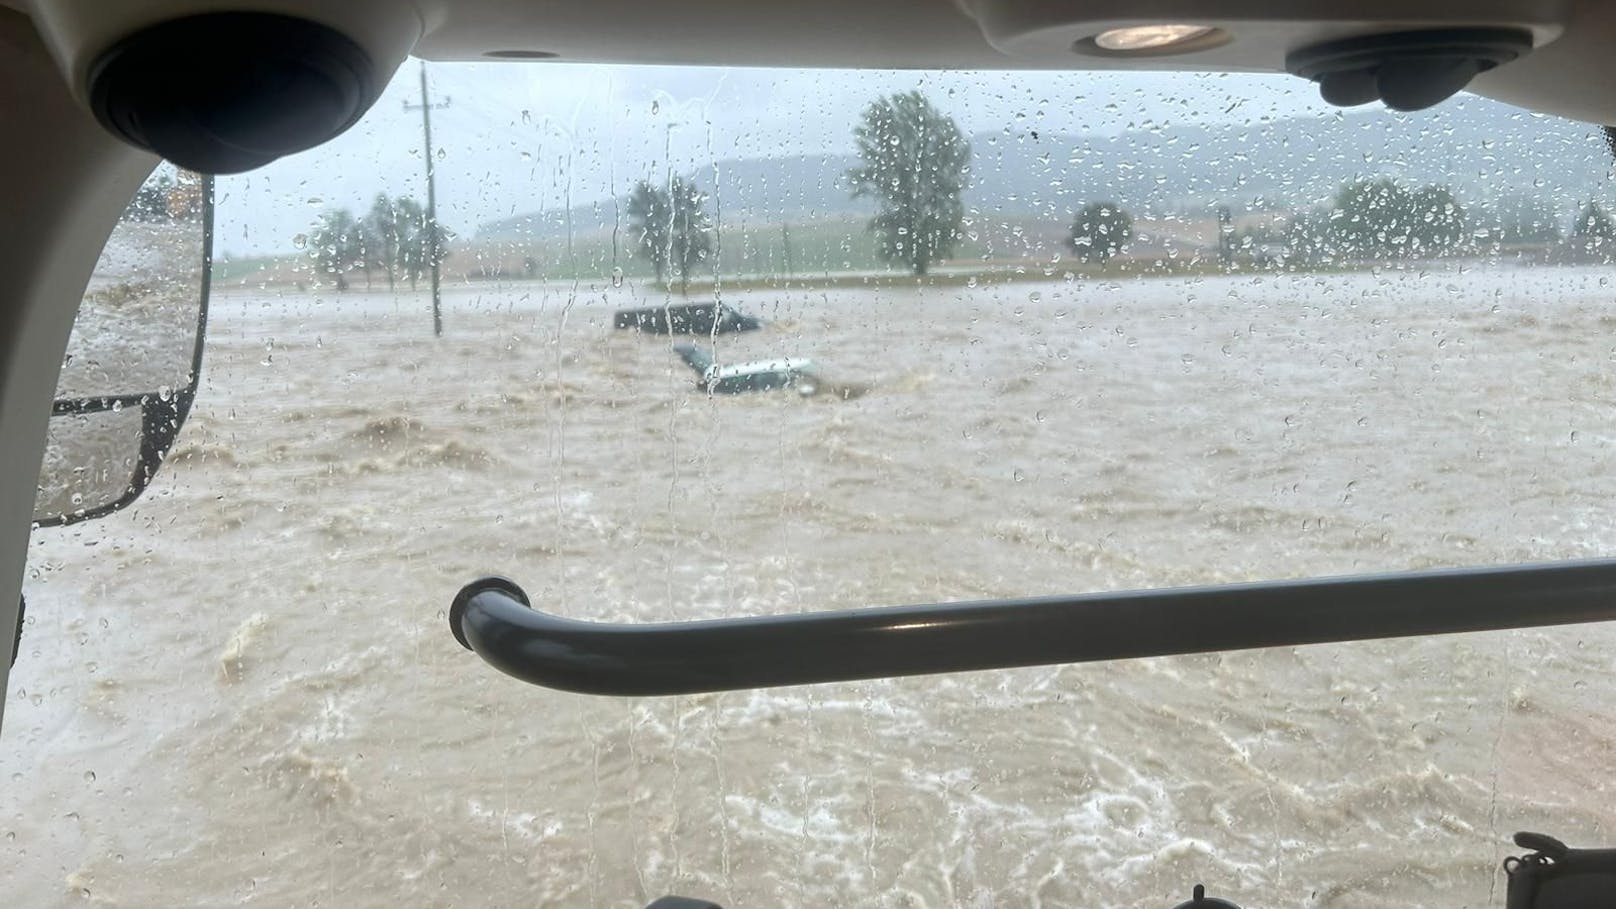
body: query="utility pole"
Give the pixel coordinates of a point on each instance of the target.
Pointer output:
(667, 249)
(1225, 237)
(433, 238)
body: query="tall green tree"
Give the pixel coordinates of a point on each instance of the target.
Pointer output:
(915, 162)
(1226, 237)
(1382, 219)
(1594, 230)
(692, 231)
(1099, 232)
(422, 242)
(384, 233)
(1307, 237)
(652, 214)
(337, 245)
(395, 235)
(1439, 221)
(671, 227)
(1371, 218)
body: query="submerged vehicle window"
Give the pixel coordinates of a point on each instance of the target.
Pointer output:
(985, 335)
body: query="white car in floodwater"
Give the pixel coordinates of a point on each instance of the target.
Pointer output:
(1231, 523)
(796, 373)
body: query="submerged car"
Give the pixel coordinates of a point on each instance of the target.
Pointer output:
(685, 319)
(797, 373)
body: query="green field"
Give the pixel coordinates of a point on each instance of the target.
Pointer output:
(819, 247)
(821, 253)
(741, 250)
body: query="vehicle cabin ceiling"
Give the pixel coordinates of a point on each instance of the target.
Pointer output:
(1567, 74)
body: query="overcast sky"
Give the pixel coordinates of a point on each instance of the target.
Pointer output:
(521, 137)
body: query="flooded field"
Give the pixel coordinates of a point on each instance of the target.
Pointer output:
(243, 690)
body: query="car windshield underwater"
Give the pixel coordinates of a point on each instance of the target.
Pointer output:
(674, 344)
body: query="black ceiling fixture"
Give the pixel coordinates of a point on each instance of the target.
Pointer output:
(1408, 71)
(221, 93)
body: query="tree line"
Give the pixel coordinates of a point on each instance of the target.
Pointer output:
(395, 238)
(1380, 219)
(915, 162)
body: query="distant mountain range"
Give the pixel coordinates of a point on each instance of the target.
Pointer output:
(1487, 152)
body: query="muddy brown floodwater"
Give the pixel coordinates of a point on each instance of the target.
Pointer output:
(242, 691)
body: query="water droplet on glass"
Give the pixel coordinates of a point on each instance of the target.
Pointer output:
(89, 776)
(617, 277)
(300, 240)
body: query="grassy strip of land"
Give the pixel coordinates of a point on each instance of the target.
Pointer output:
(955, 275)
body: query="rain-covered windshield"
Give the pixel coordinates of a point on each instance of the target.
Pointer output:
(1065, 333)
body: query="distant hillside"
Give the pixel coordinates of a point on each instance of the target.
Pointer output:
(1485, 150)
(762, 190)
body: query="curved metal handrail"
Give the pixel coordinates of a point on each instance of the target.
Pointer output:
(493, 617)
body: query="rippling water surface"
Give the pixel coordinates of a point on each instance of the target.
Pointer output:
(242, 691)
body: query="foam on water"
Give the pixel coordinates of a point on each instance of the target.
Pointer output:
(234, 657)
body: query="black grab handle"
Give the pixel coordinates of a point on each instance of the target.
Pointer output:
(493, 617)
